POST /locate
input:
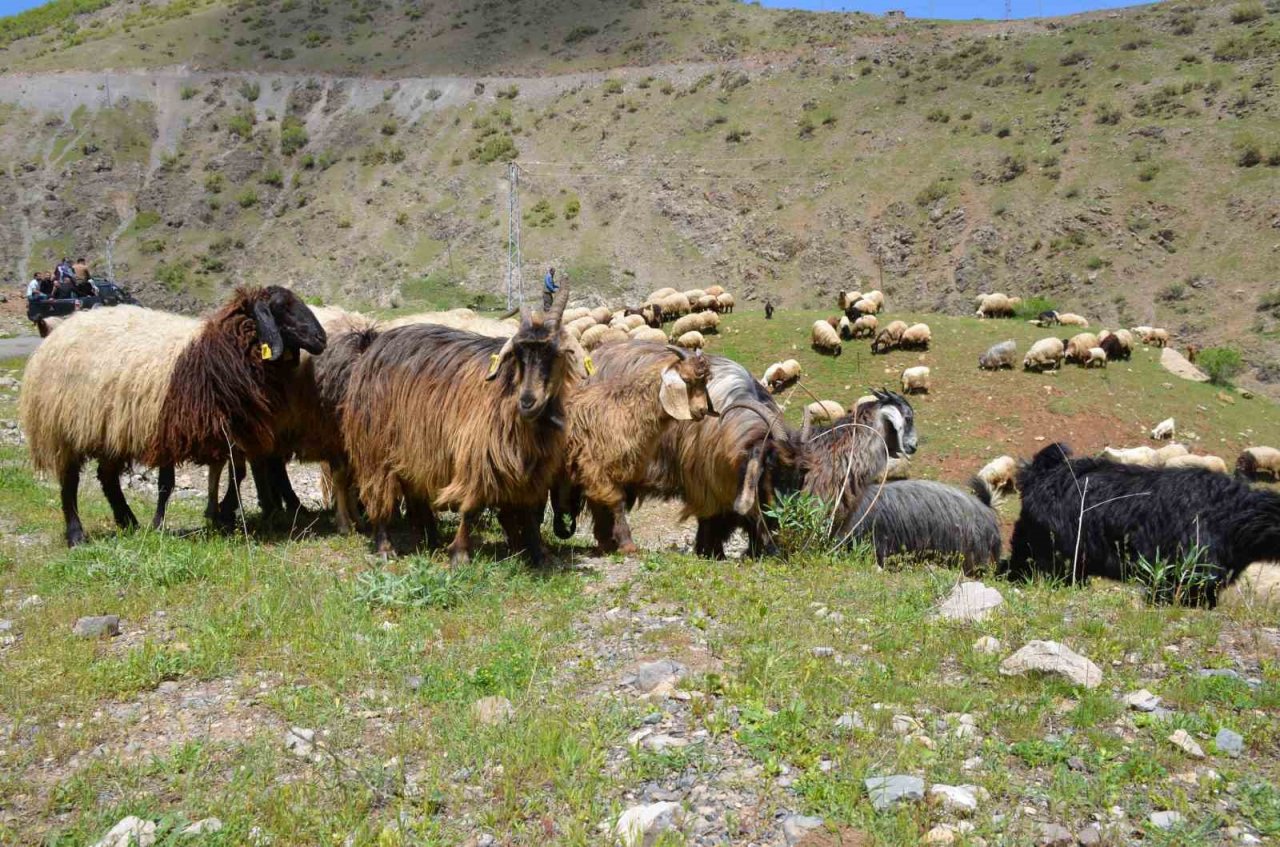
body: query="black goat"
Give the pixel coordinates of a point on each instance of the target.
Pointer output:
(919, 518)
(1134, 511)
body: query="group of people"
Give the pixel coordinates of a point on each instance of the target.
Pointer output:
(67, 281)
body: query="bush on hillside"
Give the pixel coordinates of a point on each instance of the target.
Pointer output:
(1247, 13)
(293, 136)
(1222, 364)
(1031, 307)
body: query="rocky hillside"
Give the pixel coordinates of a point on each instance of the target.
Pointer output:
(1125, 165)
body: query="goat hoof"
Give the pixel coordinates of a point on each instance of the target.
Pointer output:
(76, 538)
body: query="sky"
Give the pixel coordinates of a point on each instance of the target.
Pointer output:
(993, 9)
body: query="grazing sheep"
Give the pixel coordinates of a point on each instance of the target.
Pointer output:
(1097, 358)
(709, 323)
(780, 375)
(1158, 338)
(602, 314)
(693, 295)
(691, 340)
(1164, 430)
(845, 328)
(660, 294)
(875, 296)
(648, 333)
(768, 311)
(865, 307)
(846, 299)
(916, 337)
(1144, 456)
(1002, 355)
(1070, 319)
(889, 337)
(824, 339)
(449, 419)
(915, 380)
(1156, 514)
(922, 519)
(1047, 318)
(129, 384)
(1208, 463)
(1001, 474)
(823, 411)
(1259, 463)
(865, 326)
(715, 290)
(1114, 348)
(725, 300)
(995, 306)
(1078, 346)
(571, 315)
(706, 303)
(580, 325)
(674, 305)
(615, 424)
(1045, 354)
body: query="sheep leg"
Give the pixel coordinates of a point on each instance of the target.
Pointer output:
(163, 492)
(109, 479)
(460, 549)
(264, 482)
(622, 529)
(69, 480)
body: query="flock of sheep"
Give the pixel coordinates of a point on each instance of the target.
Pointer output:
(576, 407)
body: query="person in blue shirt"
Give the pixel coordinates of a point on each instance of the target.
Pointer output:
(549, 288)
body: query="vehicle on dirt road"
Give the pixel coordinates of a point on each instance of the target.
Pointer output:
(106, 293)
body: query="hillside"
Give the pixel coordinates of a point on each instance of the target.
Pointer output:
(1123, 165)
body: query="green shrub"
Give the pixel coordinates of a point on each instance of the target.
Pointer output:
(273, 178)
(246, 198)
(1222, 364)
(571, 208)
(241, 125)
(938, 116)
(1247, 13)
(511, 92)
(495, 148)
(613, 86)
(1031, 307)
(1108, 114)
(389, 127)
(250, 90)
(802, 521)
(932, 193)
(293, 135)
(189, 91)
(578, 33)
(214, 182)
(1250, 154)
(172, 275)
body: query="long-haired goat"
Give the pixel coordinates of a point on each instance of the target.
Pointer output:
(171, 390)
(1138, 512)
(450, 419)
(616, 421)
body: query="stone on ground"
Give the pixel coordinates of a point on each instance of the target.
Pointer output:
(987, 645)
(885, 791)
(491, 711)
(1229, 743)
(970, 601)
(130, 832)
(205, 826)
(1053, 658)
(1165, 820)
(640, 826)
(300, 741)
(1055, 835)
(96, 626)
(961, 799)
(652, 674)
(796, 827)
(1182, 739)
(1142, 701)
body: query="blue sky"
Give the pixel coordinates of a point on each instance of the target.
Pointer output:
(993, 9)
(916, 8)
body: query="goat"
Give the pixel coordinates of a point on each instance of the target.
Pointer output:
(1138, 512)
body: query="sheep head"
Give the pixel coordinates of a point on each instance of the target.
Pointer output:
(537, 358)
(683, 394)
(286, 324)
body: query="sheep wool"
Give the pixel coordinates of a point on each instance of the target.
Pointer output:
(1071, 319)
(1097, 358)
(691, 340)
(1209, 463)
(915, 380)
(824, 339)
(1045, 354)
(648, 333)
(1259, 463)
(865, 326)
(725, 300)
(824, 411)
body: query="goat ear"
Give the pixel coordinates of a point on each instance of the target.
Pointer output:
(268, 332)
(497, 359)
(746, 500)
(674, 395)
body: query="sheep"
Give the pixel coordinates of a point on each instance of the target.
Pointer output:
(1144, 456)
(602, 314)
(889, 337)
(823, 411)
(1002, 355)
(780, 375)
(915, 380)
(449, 419)
(171, 390)
(1208, 463)
(674, 305)
(768, 311)
(1000, 474)
(1164, 430)
(594, 334)
(578, 326)
(1078, 346)
(1259, 462)
(875, 296)
(648, 333)
(1045, 354)
(44, 326)
(1136, 512)
(1157, 338)
(824, 339)
(708, 322)
(571, 315)
(650, 313)
(845, 328)
(994, 306)
(660, 294)
(898, 468)
(693, 295)
(916, 337)
(1191, 353)
(1113, 347)
(725, 299)
(629, 322)
(1048, 317)
(865, 326)
(634, 404)
(1070, 319)
(865, 307)
(706, 303)
(685, 324)
(715, 290)
(924, 519)
(691, 340)
(1097, 358)
(1170, 451)
(846, 299)
(724, 469)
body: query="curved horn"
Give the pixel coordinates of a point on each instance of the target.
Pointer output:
(510, 313)
(557, 305)
(679, 351)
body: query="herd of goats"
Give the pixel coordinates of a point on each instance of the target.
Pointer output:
(454, 411)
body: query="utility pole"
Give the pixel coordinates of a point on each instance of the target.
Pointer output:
(515, 281)
(1008, 9)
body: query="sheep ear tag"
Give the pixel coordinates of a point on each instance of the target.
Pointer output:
(674, 396)
(494, 360)
(266, 352)
(589, 365)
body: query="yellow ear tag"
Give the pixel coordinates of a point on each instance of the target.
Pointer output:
(266, 352)
(589, 365)
(493, 364)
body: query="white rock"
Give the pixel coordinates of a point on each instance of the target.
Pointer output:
(987, 645)
(962, 799)
(1165, 820)
(904, 724)
(491, 711)
(970, 601)
(204, 826)
(640, 826)
(299, 741)
(652, 674)
(1142, 701)
(130, 832)
(1052, 657)
(850, 720)
(796, 827)
(940, 834)
(1181, 738)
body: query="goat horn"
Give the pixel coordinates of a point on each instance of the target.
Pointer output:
(510, 313)
(679, 351)
(557, 305)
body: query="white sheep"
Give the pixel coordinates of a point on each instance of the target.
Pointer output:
(1078, 347)
(875, 296)
(915, 380)
(571, 315)
(1071, 319)
(693, 295)
(593, 335)
(1097, 358)
(675, 305)
(1170, 451)
(866, 326)
(866, 307)
(1259, 463)
(602, 314)
(845, 299)
(916, 337)
(1164, 430)
(725, 299)
(1208, 463)
(1045, 354)
(648, 333)
(1001, 473)
(824, 411)
(845, 328)
(715, 290)
(1143, 456)
(995, 306)
(691, 340)
(824, 339)
(708, 322)
(780, 374)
